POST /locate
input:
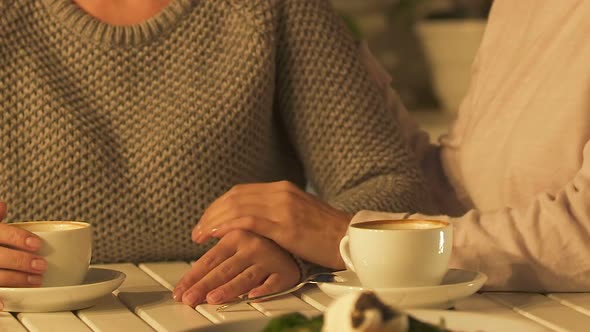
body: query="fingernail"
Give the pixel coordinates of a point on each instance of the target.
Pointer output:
(214, 231)
(253, 294)
(177, 295)
(190, 299)
(33, 243)
(215, 297)
(199, 235)
(34, 279)
(39, 264)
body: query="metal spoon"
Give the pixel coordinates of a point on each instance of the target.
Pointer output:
(312, 279)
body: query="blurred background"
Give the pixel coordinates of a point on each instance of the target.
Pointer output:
(427, 45)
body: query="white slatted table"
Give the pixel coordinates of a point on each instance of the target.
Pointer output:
(144, 303)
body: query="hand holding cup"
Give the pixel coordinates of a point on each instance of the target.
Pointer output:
(67, 250)
(20, 263)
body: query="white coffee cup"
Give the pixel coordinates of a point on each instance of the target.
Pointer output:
(398, 253)
(67, 248)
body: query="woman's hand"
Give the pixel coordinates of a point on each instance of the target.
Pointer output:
(280, 211)
(241, 262)
(19, 266)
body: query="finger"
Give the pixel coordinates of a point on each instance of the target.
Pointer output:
(250, 278)
(237, 207)
(250, 214)
(283, 185)
(274, 283)
(11, 259)
(3, 209)
(249, 189)
(9, 278)
(224, 273)
(210, 260)
(236, 191)
(19, 238)
(261, 226)
(257, 188)
(259, 204)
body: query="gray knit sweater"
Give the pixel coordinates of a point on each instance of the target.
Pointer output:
(138, 129)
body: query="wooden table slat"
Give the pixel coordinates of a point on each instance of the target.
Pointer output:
(52, 322)
(576, 301)
(168, 274)
(313, 296)
(171, 316)
(284, 304)
(483, 304)
(135, 280)
(544, 311)
(112, 315)
(8, 323)
(153, 302)
(235, 313)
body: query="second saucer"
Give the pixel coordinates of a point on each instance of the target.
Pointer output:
(456, 284)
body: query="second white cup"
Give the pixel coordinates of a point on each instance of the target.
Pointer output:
(398, 253)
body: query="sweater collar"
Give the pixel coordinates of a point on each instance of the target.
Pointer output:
(80, 22)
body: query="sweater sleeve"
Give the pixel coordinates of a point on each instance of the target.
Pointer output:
(542, 246)
(348, 141)
(442, 194)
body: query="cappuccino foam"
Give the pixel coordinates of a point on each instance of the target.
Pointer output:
(400, 224)
(49, 226)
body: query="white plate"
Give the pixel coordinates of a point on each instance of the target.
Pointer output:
(456, 284)
(454, 320)
(98, 283)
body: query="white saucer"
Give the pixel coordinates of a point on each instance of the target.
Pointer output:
(454, 320)
(456, 284)
(98, 283)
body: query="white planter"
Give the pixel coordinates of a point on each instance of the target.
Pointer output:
(450, 47)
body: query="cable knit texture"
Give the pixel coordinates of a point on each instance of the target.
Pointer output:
(138, 129)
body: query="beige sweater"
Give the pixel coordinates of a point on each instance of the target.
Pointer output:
(138, 129)
(517, 157)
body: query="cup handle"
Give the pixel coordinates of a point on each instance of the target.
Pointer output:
(345, 252)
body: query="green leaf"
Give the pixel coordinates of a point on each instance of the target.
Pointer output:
(420, 326)
(295, 322)
(353, 27)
